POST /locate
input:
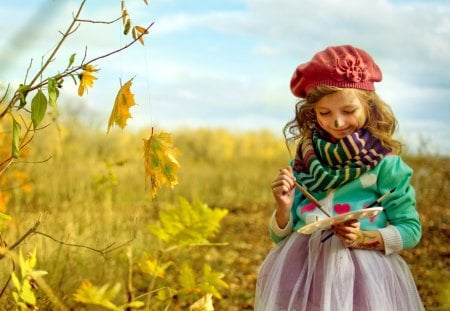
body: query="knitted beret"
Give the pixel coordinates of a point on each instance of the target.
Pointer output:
(342, 66)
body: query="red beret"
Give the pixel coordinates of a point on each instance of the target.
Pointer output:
(342, 66)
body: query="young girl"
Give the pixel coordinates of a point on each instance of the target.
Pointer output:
(346, 159)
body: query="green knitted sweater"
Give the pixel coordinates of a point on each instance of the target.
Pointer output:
(399, 208)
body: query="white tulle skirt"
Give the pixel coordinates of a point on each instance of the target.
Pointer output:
(301, 273)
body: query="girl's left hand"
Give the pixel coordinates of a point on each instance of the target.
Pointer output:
(349, 232)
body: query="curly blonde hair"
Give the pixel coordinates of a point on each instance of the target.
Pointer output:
(380, 121)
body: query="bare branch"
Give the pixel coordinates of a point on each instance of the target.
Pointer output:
(28, 233)
(98, 22)
(35, 162)
(28, 71)
(122, 48)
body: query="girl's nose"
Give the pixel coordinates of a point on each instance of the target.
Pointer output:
(337, 123)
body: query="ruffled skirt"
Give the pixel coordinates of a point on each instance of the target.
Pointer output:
(301, 273)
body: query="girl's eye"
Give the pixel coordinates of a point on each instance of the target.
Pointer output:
(323, 113)
(350, 112)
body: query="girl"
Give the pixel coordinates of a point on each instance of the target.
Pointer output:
(346, 158)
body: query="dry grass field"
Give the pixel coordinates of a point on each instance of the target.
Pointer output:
(91, 193)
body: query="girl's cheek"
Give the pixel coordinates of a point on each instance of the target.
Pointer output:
(321, 123)
(361, 119)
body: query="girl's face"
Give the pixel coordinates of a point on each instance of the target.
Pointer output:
(340, 113)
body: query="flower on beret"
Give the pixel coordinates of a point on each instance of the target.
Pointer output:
(350, 68)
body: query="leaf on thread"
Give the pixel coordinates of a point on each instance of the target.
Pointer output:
(139, 32)
(86, 78)
(38, 108)
(121, 110)
(160, 162)
(53, 92)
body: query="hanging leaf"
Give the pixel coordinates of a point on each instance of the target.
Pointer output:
(53, 92)
(71, 60)
(38, 108)
(16, 139)
(160, 163)
(139, 32)
(23, 91)
(126, 27)
(124, 100)
(86, 78)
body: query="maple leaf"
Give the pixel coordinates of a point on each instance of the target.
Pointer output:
(121, 110)
(86, 78)
(160, 162)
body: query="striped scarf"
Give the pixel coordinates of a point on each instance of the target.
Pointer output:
(323, 165)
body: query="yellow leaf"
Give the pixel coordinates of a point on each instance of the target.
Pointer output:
(121, 110)
(86, 79)
(160, 163)
(139, 31)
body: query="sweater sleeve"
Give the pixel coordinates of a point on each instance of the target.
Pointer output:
(400, 206)
(278, 234)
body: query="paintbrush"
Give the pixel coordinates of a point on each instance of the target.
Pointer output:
(311, 198)
(374, 203)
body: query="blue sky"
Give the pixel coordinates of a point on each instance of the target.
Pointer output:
(228, 63)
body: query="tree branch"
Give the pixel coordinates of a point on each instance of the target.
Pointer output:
(102, 251)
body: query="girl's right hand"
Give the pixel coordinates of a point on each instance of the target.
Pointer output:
(283, 189)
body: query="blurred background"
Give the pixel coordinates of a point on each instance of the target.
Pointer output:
(228, 63)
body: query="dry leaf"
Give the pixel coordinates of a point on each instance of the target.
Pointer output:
(139, 31)
(121, 110)
(160, 163)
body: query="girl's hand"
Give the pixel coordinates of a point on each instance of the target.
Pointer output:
(350, 234)
(283, 189)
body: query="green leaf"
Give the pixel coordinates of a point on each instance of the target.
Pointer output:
(187, 277)
(16, 139)
(38, 108)
(211, 280)
(187, 224)
(71, 60)
(100, 296)
(23, 91)
(154, 267)
(127, 26)
(53, 92)
(27, 294)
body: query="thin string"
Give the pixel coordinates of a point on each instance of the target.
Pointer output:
(149, 102)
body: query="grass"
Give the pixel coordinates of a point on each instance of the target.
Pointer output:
(91, 193)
